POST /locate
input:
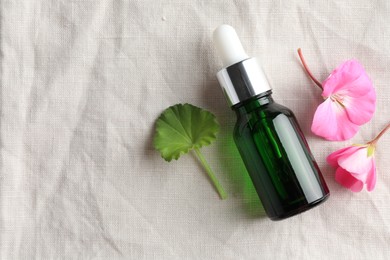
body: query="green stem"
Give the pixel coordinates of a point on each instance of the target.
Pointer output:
(210, 173)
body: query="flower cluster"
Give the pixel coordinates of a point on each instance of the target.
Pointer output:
(349, 102)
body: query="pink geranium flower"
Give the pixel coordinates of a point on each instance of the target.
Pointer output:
(355, 165)
(349, 101)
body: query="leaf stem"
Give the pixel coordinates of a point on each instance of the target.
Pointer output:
(210, 173)
(375, 140)
(307, 69)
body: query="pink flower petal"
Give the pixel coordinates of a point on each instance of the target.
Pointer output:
(348, 181)
(360, 110)
(348, 75)
(357, 88)
(371, 178)
(357, 163)
(354, 167)
(332, 123)
(332, 158)
(350, 102)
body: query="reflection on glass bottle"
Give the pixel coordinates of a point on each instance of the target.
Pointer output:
(277, 157)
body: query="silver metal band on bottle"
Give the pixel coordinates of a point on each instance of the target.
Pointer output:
(242, 81)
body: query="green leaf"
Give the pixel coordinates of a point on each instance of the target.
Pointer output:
(181, 128)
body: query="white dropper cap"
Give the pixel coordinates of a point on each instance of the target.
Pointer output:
(242, 77)
(229, 45)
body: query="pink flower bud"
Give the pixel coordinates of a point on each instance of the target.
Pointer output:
(355, 166)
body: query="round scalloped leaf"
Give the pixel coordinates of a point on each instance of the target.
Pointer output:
(181, 128)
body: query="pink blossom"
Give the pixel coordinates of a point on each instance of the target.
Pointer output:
(349, 101)
(355, 166)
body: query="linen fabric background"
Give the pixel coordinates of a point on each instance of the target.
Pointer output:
(82, 83)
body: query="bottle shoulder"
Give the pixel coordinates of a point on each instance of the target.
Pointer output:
(267, 112)
(276, 109)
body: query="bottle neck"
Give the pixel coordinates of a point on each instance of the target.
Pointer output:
(253, 103)
(242, 81)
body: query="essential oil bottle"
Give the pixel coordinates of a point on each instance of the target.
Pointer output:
(268, 137)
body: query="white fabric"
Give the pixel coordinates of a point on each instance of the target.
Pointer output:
(82, 83)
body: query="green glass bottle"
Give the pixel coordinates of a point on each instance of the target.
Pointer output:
(268, 137)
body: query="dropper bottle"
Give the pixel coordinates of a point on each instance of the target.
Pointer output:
(268, 137)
